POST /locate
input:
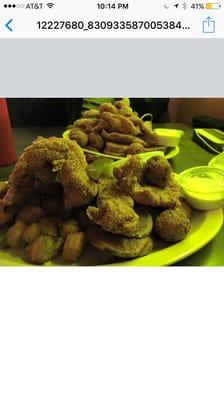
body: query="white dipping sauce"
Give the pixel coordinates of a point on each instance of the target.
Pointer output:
(204, 193)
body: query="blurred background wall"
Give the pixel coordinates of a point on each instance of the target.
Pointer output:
(183, 110)
(179, 110)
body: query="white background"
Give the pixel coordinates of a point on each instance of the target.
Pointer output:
(111, 333)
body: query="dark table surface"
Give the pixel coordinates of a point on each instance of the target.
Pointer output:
(190, 155)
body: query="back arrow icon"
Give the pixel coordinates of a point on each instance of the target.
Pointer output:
(7, 25)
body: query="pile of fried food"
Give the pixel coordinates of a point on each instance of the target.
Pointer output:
(50, 206)
(113, 129)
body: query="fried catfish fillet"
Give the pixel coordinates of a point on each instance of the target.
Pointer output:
(118, 245)
(130, 178)
(51, 160)
(115, 209)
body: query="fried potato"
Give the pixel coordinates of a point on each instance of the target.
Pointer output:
(118, 245)
(43, 249)
(30, 214)
(73, 246)
(14, 235)
(31, 232)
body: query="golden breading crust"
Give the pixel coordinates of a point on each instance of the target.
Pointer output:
(130, 178)
(115, 209)
(50, 160)
(119, 123)
(172, 225)
(122, 138)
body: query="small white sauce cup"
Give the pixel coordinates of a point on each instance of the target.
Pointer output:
(203, 187)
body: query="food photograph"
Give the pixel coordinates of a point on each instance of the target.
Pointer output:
(134, 182)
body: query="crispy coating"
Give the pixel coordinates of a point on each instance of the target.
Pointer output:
(107, 107)
(149, 135)
(69, 226)
(118, 245)
(80, 137)
(31, 232)
(115, 209)
(30, 214)
(65, 161)
(3, 189)
(48, 226)
(115, 149)
(125, 102)
(91, 113)
(87, 124)
(122, 138)
(130, 178)
(14, 235)
(172, 225)
(73, 246)
(43, 249)
(157, 171)
(135, 148)
(145, 222)
(185, 208)
(96, 140)
(119, 123)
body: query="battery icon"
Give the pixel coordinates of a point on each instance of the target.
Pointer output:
(213, 6)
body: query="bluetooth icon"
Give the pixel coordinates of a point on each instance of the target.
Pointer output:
(184, 5)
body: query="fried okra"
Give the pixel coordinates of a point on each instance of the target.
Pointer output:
(73, 246)
(69, 226)
(3, 189)
(48, 226)
(30, 214)
(31, 232)
(43, 249)
(14, 235)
